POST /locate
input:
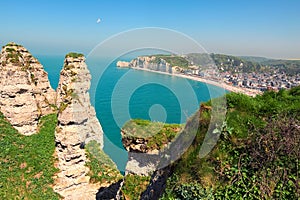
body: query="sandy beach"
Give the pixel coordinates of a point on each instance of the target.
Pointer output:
(247, 91)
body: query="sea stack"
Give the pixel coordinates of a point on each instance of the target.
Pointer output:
(25, 91)
(77, 125)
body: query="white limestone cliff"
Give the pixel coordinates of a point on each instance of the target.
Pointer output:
(77, 125)
(150, 63)
(25, 91)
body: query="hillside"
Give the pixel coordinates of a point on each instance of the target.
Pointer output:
(257, 155)
(27, 162)
(255, 59)
(291, 67)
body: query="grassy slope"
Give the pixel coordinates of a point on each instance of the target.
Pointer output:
(257, 155)
(103, 169)
(27, 162)
(134, 186)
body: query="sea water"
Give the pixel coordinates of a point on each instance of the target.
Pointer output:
(120, 94)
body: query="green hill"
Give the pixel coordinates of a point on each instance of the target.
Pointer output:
(291, 67)
(256, 157)
(255, 59)
(233, 64)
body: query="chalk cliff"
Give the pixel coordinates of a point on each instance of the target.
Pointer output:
(77, 125)
(148, 62)
(25, 91)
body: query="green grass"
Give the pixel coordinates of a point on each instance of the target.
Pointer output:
(134, 185)
(74, 55)
(102, 168)
(172, 60)
(10, 50)
(11, 44)
(256, 157)
(27, 162)
(156, 134)
(13, 55)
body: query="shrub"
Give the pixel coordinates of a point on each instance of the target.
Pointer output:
(134, 185)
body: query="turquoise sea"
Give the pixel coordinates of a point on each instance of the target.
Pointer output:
(121, 94)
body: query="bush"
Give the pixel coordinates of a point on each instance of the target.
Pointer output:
(134, 185)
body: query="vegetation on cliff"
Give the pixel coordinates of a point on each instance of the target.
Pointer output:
(173, 60)
(74, 55)
(176, 61)
(256, 157)
(27, 162)
(102, 168)
(134, 185)
(153, 135)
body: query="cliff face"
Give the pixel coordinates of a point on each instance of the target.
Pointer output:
(73, 101)
(25, 91)
(151, 63)
(77, 125)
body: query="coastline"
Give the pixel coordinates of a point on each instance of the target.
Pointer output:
(246, 91)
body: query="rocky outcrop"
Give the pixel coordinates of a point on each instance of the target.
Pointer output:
(152, 154)
(148, 145)
(25, 91)
(123, 64)
(77, 125)
(142, 160)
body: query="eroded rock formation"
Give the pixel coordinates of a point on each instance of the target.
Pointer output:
(77, 125)
(25, 91)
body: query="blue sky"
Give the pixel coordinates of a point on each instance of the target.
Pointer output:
(268, 28)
